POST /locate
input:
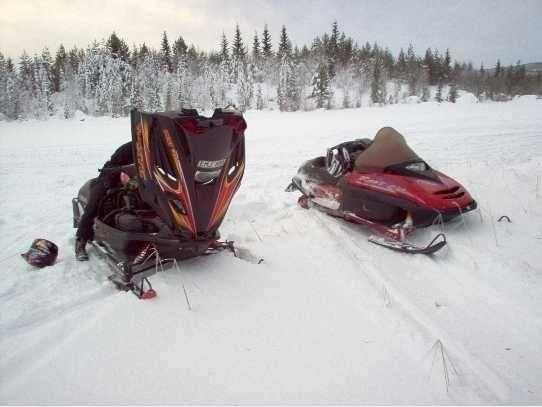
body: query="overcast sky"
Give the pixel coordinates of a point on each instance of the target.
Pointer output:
(477, 30)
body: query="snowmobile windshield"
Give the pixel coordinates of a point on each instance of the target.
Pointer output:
(388, 148)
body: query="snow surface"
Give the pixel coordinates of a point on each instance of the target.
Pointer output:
(327, 318)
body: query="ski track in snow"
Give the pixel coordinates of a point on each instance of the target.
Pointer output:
(327, 317)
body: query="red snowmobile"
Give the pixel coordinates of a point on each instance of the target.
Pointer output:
(169, 204)
(384, 185)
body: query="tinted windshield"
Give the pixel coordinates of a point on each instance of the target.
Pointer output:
(388, 148)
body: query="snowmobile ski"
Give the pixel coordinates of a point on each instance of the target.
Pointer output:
(438, 242)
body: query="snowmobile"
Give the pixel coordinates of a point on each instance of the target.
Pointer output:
(169, 204)
(384, 185)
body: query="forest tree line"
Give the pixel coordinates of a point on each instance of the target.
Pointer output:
(109, 77)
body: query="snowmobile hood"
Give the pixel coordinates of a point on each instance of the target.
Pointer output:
(189, 166)
(442, 195)
(388, 148)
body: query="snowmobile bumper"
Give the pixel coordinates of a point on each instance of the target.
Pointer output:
(130, 243)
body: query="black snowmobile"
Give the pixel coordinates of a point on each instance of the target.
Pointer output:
(169, 205)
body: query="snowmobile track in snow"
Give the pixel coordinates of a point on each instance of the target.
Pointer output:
(397, 299)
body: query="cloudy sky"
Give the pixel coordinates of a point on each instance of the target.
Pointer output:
(477, 30)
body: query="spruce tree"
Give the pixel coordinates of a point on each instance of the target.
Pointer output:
(498, 68)
(401, 66)
(412, 71)
(166, 53)
(285, 46)
(59, 68)
(378, 85)
(267, 48)
(259, 98)
(224, 52)
(73, 59)
(332, 50)
(320, 87)
(447, 66)
(452, 95)
(425, 93)
(47, 66)
(429, 65)
(245, 88)
(256, 53)
(179, 47)
(117, 47)
(438, 96)
(238, 49)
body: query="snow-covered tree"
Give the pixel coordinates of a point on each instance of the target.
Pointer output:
(245, 88)
(378, 84)
(452, 94)
(321, 91)
(438, 96)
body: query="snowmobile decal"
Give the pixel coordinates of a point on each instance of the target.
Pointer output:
(227, 189)
(143, 155)
(186, 219)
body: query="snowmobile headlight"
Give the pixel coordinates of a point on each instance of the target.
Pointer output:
(205, 177)
(418, 167)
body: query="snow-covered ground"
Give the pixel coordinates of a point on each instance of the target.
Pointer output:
(327, 318)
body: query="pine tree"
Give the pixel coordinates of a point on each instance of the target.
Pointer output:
(332, 50)
(267, 48)
(425, 93)
(169, 98)
(238, 61)
(9, 90)
(143, 51)
(47, 66)
(285, 46)
(245, 89)
(320, 87)
(498, 68)
(401, 66)
(446, 66)
(429, 66)
(378, 85)
(224, 53)
(238, 49)
(166, 53)
(117, 47)
(259, 98)
(73, 59)
(179, 48)
(59, 68)
(288, 90)
(480, 83)
(452, 95)
(182, 82)
(256, 53)
(438, 96)
(412, 71)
